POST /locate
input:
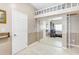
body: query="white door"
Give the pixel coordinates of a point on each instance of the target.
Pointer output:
(19, 31)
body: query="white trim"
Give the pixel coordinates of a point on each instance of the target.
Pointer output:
(75, 45)
(69, 28)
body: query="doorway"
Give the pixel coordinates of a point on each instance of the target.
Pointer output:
(52, 31)
(74, 30)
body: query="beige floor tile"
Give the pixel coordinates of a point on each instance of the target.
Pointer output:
(48, 47)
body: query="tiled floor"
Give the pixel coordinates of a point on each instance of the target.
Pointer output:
(48, 47)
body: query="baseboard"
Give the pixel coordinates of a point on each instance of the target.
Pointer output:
(75, 45)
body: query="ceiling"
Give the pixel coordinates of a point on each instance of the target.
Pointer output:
(38, 6)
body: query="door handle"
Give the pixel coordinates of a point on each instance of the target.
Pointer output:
(14, 34)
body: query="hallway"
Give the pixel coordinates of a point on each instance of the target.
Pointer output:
(43, 47)
(26, 29)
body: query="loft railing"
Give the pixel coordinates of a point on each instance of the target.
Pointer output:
(56, 7)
